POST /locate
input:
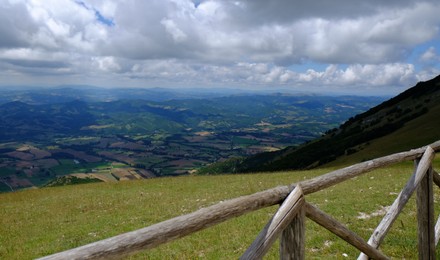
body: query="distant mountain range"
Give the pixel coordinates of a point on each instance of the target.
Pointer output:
(303, 116)
(68, 93)
(409, 120)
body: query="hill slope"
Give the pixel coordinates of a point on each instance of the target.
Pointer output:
(406, 121)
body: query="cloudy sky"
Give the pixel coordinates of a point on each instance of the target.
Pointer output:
(339, 46)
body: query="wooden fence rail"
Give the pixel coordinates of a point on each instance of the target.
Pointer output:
(289, 220)
(341, 231)
(403, 197)
(282, 218)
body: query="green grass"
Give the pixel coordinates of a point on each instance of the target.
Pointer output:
(35, 223)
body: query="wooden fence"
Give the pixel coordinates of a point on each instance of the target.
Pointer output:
(288, 222)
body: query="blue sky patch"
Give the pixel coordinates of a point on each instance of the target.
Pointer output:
(102, 19)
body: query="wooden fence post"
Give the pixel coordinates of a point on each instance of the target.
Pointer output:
(291, 206)
(384, 226)
(292, 241)
(425, 217)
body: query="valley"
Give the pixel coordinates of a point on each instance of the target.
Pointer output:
(134, 139)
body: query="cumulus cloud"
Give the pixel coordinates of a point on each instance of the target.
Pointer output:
(430, 56)
(212, 42)
(107, 64)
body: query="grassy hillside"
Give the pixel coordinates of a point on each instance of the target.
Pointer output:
(406, 121)
(422, 130)
(39, 222)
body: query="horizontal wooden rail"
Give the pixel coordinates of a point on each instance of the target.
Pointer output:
(338, 176)
(180, 226)
(174, 228)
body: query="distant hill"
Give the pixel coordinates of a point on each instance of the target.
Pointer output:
(409, 120)
(305, 117)
(45, 135)
(69, 93)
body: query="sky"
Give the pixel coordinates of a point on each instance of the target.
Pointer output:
(339, 46)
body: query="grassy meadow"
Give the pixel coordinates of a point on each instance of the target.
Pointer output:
(43, 221)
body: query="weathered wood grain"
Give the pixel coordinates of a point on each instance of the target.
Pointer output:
(293, 241)
(341, 231)
(401, 200)
(282, 218)
(425, 217)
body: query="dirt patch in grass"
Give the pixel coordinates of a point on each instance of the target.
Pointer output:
(379, 212)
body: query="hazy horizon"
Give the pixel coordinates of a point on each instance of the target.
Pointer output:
(202, 90)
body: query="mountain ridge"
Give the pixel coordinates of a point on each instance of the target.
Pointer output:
(353, 136)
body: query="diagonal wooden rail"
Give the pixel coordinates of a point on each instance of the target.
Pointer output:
(403, 197)
(152, 236)
(341, 231)
(282, 218)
